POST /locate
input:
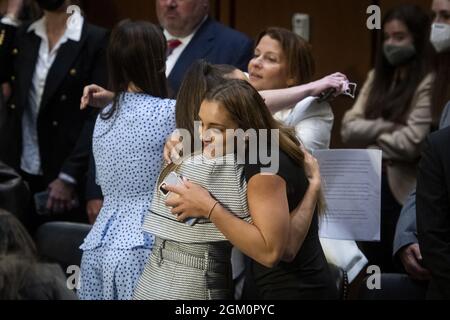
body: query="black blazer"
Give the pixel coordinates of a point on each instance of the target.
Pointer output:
(64, 132)
(433, 212)
(216, 44)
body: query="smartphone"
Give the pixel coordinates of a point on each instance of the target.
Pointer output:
(174, 179)
(40, 203)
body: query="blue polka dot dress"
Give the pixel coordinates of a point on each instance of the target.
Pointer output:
(128, 151)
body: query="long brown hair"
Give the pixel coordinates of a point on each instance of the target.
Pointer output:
(136, 54)
(388, 98)
(248, 109)
(298, 52)
(199, 79)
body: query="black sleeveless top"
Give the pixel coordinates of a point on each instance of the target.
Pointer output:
(308, 276)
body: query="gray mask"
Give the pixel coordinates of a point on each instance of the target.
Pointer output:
(398, 55)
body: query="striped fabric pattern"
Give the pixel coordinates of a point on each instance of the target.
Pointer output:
(223, 177)
(165, 279)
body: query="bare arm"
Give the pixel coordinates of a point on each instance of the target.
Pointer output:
(264, 240)
(300, 222)
(95, 96)
(277, 100)
(302, 216)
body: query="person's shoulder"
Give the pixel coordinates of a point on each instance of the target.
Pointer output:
(23, 28)
(370, 75)
(95, 32)
(157, 107)
(313, 107)
(440, 139)
(147, 102)
(165, 102)
(445, 118)
(427, 81)
(281, 164)
(225, 32)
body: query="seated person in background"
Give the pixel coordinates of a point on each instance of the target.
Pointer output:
(433, 212)
(392, 113)
(22, 276)
(14, 193)
(406, 245)
(47, 63)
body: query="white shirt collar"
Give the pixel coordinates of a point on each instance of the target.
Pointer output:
(40, 30)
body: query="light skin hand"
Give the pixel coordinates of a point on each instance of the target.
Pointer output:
(173, 148)
(95, 96)
(61, 196)
(411, 259)
(192, 201)
(334, 81)
(93, 208)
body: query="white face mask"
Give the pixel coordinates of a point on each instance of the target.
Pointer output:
(440, 36)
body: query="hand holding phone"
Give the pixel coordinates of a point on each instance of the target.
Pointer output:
(174, 179)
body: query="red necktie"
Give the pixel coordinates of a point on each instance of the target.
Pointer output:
(172, 45)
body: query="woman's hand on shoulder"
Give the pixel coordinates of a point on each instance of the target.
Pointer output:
(173, 149)
(312, 169)
(95, 96)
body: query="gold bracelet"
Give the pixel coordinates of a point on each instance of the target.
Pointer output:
(212, 209)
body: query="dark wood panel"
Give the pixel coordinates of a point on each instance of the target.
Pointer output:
(389, 4)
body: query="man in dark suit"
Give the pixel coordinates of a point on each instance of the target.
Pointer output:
(433, 212)
(191, 35)
(48, 63)
(406, 245)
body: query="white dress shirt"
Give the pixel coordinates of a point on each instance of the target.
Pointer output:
(31, 160)
(176, 53)
(313, 122)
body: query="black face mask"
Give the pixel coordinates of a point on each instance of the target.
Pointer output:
(50, 5)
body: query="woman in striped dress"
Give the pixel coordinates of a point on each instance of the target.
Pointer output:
(202, 77)
(193, 261)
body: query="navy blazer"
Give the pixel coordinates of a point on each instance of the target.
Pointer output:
(406, 232)
(433, 212)
(216, 44)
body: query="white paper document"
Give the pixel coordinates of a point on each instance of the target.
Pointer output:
(352, 189)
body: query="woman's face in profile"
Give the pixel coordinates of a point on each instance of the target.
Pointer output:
(216, 129)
